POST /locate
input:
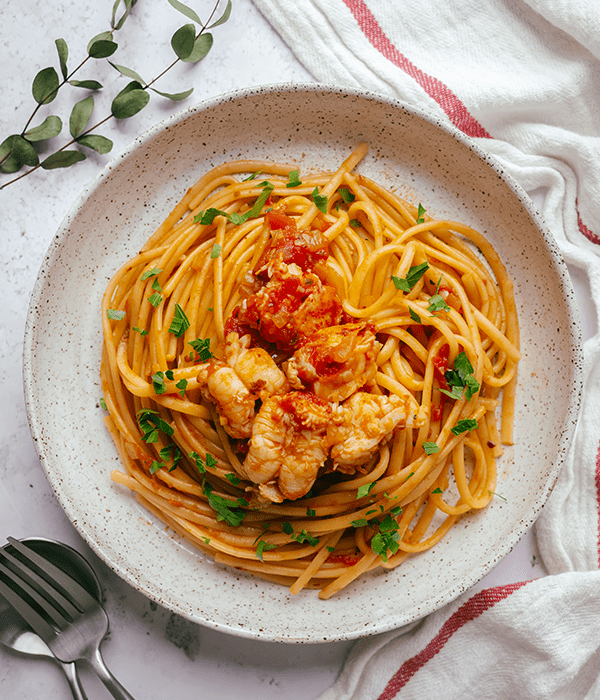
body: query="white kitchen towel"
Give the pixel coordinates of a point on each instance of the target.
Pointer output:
(523, 79)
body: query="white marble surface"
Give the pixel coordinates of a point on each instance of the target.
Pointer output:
(153, 652)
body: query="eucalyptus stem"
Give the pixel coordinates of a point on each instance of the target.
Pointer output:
(17, 150)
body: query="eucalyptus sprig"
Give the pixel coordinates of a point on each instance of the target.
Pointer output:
(190, 43)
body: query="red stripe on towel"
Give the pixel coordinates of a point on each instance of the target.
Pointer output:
(590, 235)
(470, 610)
(448, 101)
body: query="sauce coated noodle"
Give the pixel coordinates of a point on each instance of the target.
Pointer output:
(306, 376)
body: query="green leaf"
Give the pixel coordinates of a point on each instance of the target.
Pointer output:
(430, 448)
(185, 10)
(98, 143)
(202, 347)
(182, 42)
(421, 214)
(224, 17)
(62, 159)
(86, 84)
(128, 72)
(464, 425)
(45, 86)
(175, 96)
(263, 546)
(150, 273)
(102, 46)
(215, 251)
(437, 303)
(155, 299)
(15, 152)
(346, 195)
(405, 284)
(63, 55)
(117, 24)
(414, 315)
(293, 179)
(202, 46)
(80, 116)
(319, 200)
(115, 314)
(50, 127)
(364, 490)
(131, 100)
(180, 322)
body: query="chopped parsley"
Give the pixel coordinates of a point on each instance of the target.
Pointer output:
(115, 314)
(215, 251)
(319, 200)
(180, 322)
(437, 303)
(155, 299)
(202, 348)
(294, 179)
(151, 423)
(141, 331)
(464, 425)
(182, 386)
(207, 217)
(405, 284)
(263, 546)
(460, 379)
(222, 506)
(347, 196)
(430, 448)
(150, 273)
(364, 490)
(355, 223)
(421, 214)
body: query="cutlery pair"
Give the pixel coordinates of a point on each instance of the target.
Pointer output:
(63, 614)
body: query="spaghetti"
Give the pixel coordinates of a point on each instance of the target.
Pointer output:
(303, 374)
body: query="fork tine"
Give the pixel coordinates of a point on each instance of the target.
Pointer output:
(56, 577)
(50, 599)
(48, 607)
(31, 617)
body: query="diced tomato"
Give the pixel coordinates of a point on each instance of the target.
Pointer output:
(440, 365)
(345, 559)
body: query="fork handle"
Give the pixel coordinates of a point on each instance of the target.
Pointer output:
(111, 683)
(73, 677)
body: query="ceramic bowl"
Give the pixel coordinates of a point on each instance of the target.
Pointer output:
(315, 127)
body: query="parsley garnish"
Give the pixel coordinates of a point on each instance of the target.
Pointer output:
(364, 490)
(232, 478)
(115, 314)
(405, 284)
(347, 196)
(182, 386)
(319, 200)
(293, 179)
(355, 223)
(461, 378)
(430, 448)
(151, 423)
(263, 546)
(222, 506)
(103, 404)
(180, 322)
(438, 490)
(414, 315)
(437, 303)
(140, 331)
(158, 383)
(150, 273)
(202, 347)
(386, 540)
(215, 251)
(155, 299)
(464, 425)
(420, 214)
(302, 537)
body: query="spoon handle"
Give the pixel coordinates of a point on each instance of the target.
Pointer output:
(111, 683)
(73, 678)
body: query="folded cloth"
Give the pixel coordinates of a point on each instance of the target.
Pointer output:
(523, 79)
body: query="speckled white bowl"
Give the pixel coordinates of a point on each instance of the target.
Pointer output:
(316, 127)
